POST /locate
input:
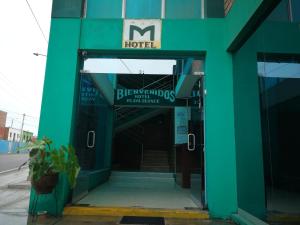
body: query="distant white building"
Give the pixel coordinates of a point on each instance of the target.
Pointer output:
(14, 134)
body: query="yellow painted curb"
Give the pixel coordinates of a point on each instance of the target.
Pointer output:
(116, 211)
(284, 218)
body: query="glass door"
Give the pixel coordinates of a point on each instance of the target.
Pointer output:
(189, 144)
(196, 143)
(89, 134)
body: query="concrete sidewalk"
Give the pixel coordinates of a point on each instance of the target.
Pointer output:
(100, 220)
(14, 195)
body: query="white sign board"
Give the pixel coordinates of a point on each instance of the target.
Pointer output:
(142, 34)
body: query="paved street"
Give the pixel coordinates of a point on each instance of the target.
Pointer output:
(11, 161)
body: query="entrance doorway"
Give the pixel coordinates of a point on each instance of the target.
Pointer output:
(143, 143)
(139, 137)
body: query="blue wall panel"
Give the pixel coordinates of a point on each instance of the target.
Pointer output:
(185, 9)
(143, 9)
(6, 145)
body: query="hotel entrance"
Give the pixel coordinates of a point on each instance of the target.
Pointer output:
(139, 133)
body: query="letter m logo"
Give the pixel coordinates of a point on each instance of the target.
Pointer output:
(141, 31)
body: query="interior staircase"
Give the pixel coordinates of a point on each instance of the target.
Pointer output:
(155, 161)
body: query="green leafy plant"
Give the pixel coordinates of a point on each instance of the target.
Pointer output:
(45, 160)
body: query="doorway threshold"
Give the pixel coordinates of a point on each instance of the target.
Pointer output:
(132, 211)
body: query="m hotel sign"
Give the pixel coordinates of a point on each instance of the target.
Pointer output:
(142, 34)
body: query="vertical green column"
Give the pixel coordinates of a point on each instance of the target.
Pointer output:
(59, 98)
(250, 176)
(219, 133)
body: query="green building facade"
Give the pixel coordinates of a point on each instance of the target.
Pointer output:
(252, 34)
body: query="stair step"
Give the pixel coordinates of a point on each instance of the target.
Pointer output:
(157, 150)
(165, 162)
(141, 174)
(155, 168)
(158, 169)
(154, 155)
(155, 163)
(156, 160)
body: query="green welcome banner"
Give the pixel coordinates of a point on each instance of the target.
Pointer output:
(144, 97)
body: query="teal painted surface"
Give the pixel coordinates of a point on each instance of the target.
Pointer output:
(98, 177)
(104, 138)
(183, 9)
(227, 113)
(58, 99)
(101, 34)
(250, 178)
(107, 35)
(219, 134)
(281, 12)
(271, 37)
(143, 9)
(238, 16)
(107, 9)
(277, 42)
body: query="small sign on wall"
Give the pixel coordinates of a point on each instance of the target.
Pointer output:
(182, 116)
(142, 34)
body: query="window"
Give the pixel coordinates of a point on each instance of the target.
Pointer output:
(154, 9)
(296, 10)
(279, 77)
(216, 8)
(104, 9)
(286, 11)
(281, 12)
(67, 8)
(227, 5)
(180, 9)
(143, 9)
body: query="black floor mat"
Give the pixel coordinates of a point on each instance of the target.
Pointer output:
(142, 220)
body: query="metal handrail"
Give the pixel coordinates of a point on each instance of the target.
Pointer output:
(155, 82)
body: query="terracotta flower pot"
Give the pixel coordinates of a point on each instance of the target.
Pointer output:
(46, 184)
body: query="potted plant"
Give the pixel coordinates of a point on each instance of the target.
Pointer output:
(45, 164)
